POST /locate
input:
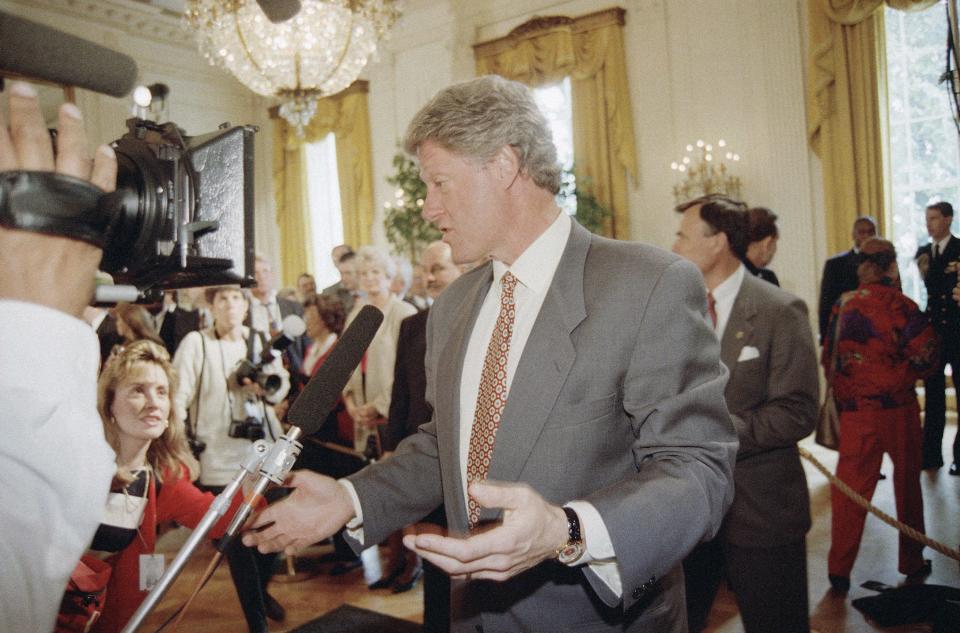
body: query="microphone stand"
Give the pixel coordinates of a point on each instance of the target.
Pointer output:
(271, 466)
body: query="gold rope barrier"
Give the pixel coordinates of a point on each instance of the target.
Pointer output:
(883, 516)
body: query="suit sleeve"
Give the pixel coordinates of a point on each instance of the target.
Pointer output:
(685, 446)
(789, 412)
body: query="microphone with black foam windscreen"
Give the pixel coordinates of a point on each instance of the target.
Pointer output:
(320, 394)
(32, 50)
(278, 11)
(309, 410)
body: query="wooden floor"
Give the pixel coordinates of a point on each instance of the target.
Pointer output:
(216, 609)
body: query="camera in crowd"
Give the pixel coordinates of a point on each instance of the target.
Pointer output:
(250, 428)
(247, 369)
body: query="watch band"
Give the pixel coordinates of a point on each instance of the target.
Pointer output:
(571, 551)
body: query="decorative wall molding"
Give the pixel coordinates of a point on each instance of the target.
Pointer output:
(137, 19)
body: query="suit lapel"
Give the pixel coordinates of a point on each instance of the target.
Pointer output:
(448, 372)
(547, 358)
(739, 330)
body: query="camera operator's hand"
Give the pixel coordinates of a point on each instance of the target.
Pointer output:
(57, 272)
(252, 388)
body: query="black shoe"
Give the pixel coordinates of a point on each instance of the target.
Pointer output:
(275, 610)
(881, 477)
(345, 567)
(924, 570)
(406, 584)
(386, 581)
(954, 469)
(840, 584)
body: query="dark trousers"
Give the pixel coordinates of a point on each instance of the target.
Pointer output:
(250, 571)
(769, 583)
(436, 599)
(935, 408)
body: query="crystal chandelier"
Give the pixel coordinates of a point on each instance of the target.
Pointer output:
(318, 52)
(706, 173)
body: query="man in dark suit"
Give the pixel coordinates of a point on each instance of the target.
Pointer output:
(344, 258)
(766, 342)
(267, 312)
(762, 238)
(579, 441)
(174, 321)
(840, 271)
(938, 263)
(408, 410)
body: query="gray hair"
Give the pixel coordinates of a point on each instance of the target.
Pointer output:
(476, 118)
(377, 257)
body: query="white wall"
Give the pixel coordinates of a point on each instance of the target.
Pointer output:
(697, 69)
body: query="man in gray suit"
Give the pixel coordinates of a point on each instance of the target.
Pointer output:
(579, 441)
(766, 341)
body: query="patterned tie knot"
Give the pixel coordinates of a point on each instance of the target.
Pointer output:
(508, 284)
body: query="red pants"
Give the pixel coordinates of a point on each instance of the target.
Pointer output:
(864, 437)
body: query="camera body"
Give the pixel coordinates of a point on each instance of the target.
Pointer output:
(182, 214)
(250, 428)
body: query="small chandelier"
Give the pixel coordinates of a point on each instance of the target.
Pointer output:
(318, 52)
(706, 172)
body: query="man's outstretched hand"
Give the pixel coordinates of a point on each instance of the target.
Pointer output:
(317, 508)
(531, 532)
(54, 271)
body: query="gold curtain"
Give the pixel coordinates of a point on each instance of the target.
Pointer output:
(590, 50)
(846, 104)
(346, 115)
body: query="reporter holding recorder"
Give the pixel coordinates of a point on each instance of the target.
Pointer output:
(226, 413)
(55, 464)
(153, 479)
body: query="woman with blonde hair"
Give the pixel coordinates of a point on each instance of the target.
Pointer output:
(153, 482)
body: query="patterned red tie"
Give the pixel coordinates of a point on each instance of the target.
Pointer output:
(712, 309)
(492, 396)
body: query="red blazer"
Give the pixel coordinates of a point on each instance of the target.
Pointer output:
(179, 501)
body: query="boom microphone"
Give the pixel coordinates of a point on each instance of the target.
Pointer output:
(320, 395)
(278, 11)
(36, 51)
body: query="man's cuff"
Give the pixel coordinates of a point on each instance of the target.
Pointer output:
(355, 525)
(598, 555)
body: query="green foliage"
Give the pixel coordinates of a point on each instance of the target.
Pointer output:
(590, 213)
(408, 232)
(406, 229)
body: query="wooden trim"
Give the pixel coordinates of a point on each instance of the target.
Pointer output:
(538, 25)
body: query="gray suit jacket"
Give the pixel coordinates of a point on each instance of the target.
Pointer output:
(773, 394)
(618, 400)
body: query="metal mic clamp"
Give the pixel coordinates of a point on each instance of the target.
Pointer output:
(273, 468)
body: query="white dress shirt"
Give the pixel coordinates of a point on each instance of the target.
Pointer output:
(724, 295)
(55, 465)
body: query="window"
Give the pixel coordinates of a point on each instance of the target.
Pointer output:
(323, 198)
(924, 143)
(555, 102)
